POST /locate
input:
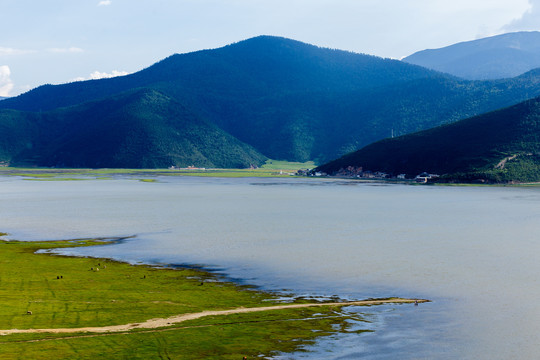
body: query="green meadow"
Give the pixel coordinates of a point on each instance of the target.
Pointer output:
(272, 168)
(74, 292)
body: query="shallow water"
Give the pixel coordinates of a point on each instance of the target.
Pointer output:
(473, 250)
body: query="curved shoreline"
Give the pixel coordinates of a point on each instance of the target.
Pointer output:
(167, 322)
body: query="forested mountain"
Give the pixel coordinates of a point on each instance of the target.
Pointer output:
(496, 57)
(286, 99)
(137, 129)
(255, 68)
(500, 146)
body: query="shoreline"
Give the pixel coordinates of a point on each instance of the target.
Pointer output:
(141, 303)
(56, 251)
(148, 175)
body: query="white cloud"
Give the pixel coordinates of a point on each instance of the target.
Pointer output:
(530, 20)
(6, 85)
(66, 50)
(104, 3)
(102, 75)
(12, 51)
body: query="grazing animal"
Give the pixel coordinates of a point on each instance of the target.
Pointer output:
(28, 312)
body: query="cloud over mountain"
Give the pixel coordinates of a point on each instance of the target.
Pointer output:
(102, 75)
(6, 85)
(530, 20)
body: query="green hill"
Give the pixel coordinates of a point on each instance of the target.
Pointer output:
(138, 129)
(286, 99)
(501, 146)
(250, 69)
(18, 130)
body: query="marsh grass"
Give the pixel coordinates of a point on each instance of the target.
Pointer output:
(69, 292)
(225, 340)
(272, 168)
(287, 165)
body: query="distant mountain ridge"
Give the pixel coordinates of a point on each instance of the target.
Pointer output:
(277, 98)
(501, 146)
(496, 57)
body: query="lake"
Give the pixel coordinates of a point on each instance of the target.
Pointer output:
(474, 251)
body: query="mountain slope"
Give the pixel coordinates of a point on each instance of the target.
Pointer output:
(138, 129)
(294, 101)
(251, 68)
(500, 146)
(496, 57)
(265, 91)
(17, 133)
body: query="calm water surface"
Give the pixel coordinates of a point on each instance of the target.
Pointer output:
(475, 251)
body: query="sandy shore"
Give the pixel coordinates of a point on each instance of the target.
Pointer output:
(165, 322)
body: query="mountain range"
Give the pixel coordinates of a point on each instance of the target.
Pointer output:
(265, 97)
(496, 57)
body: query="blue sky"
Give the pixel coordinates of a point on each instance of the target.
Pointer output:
(57, 41)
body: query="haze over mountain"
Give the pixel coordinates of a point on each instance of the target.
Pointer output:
(285, 99)
(497, 57)
(500, 146)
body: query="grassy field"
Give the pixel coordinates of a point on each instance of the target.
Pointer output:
(70, 292)
(272, 168)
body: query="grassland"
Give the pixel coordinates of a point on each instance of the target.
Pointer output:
(70, 292)
(272, 168)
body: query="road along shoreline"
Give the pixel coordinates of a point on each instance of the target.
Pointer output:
(166, 322)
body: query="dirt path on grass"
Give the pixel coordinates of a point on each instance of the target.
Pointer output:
(165, 322)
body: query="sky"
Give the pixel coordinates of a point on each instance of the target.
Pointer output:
(58, 41)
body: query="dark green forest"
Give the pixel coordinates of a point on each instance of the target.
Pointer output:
(501, 146)
(139, 129)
